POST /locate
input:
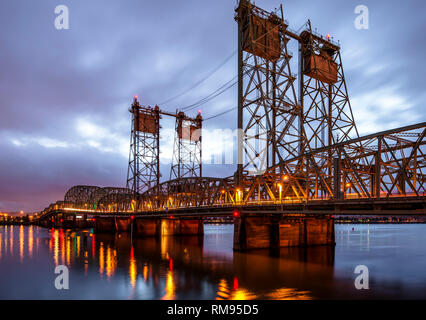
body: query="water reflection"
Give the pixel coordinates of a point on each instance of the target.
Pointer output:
(170, 267)
(181, 267)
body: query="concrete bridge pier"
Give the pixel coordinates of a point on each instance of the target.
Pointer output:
(58, 220)
(68, 221)
(150, 227)
(181, 227)
(269, 231)
(145, 227)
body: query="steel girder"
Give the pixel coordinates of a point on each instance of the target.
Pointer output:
(378, 166)
(81, 196)
(96, 198)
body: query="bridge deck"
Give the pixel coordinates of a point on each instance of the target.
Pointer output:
(390, 206)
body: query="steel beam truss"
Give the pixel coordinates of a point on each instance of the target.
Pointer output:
(186, 160)
(379, 166)
(144, 158)
(269, 116)
(327, 112)
(97, 198)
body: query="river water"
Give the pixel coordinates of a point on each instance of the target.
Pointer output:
(104, 266)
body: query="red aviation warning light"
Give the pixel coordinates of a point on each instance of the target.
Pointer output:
(236, 214)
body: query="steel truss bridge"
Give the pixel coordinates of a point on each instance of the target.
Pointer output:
(311, 158)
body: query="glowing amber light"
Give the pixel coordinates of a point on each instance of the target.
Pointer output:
(348, 185)
(286, 178)
(223, 290)
(170, 287)
(30, 241)
(145, 273)
(21, 242)
(101, 259)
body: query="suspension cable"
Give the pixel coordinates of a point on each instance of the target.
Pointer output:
(201, 80)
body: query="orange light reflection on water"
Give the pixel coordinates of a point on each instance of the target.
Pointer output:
(30, 241)
(170, 287)
(55, 236)
(21, 243)
(110, 262)
(133, 272)
(11, 240)
(1, 245)
(101, 258)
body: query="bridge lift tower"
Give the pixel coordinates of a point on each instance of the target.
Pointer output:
(187, 147)
(282, 115)
(144, 159)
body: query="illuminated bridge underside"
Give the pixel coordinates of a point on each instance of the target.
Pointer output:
(386, 167)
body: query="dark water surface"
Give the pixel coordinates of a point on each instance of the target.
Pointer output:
(106, 266)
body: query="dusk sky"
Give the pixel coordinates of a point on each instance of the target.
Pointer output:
(65, 94)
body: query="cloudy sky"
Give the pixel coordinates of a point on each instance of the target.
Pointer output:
(64, 94)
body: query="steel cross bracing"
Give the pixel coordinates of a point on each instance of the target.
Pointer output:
(186, 160)
(269, 116)
(144, 158)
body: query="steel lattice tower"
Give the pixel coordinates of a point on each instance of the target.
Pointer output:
(186, 160)
(327, 113)
(269, 116)
(144, 158)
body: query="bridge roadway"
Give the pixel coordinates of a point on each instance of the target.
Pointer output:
(256, 226)
(408, 205)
